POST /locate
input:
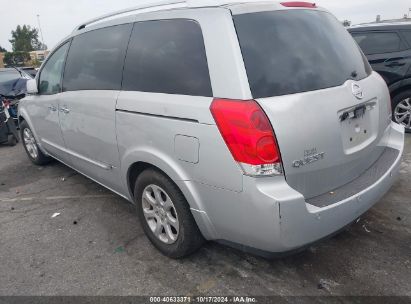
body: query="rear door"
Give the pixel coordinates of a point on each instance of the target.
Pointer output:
(386, 52)
(314, 84)
(92, 81)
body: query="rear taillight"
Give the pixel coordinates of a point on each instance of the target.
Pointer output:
(249, 136)
(299, 4)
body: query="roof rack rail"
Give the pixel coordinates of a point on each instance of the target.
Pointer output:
(156, 5)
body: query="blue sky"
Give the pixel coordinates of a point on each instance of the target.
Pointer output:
(58, 18)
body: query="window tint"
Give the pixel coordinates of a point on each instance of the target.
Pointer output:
(50, 77)
(378, 43)
(407, 35)
(294, 51)
(95, 60)
(167, 56)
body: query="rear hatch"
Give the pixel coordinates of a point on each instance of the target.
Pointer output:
(327, 108)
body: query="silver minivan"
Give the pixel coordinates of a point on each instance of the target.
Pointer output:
(259, 125)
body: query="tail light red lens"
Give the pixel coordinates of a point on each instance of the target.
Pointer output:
(299, 4)
(248, 134)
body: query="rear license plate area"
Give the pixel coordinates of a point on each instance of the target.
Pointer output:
(359, 126)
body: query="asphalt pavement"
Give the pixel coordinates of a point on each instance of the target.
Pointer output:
(94, 245)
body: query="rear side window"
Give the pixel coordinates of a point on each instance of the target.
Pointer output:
(95, 59)
(167, 56)
(295, 51)
(378, 42)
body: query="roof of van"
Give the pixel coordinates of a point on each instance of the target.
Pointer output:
(181, 4)
(236, 7)
(400, 25)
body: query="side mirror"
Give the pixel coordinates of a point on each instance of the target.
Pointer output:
(32, 86)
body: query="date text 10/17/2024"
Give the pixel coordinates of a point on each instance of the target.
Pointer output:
(203, 299)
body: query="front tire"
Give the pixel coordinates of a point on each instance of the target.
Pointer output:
(401, 113)
(30, 145)
(165, 215)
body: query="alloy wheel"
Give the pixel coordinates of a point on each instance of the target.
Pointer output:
(402, 113)
(30, 143)
(160, 214)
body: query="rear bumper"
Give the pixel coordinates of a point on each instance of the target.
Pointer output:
(270, 216)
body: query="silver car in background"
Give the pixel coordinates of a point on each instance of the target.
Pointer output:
(259, 125)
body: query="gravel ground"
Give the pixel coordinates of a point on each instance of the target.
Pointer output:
(95, 246)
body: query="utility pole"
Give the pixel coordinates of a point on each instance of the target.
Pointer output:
(41, 32)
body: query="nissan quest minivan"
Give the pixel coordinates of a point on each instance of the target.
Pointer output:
(259, 125)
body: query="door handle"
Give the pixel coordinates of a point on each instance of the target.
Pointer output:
(64, 110)
(52, 108)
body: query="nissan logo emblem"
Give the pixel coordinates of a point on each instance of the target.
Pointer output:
(357, 91)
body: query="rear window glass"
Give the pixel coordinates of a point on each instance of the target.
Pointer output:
(167, 56)
(378, 43)
(96, 58)
(295, 51)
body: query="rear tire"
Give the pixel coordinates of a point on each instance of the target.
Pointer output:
(401, 109)
(165, 215)
(30, 145)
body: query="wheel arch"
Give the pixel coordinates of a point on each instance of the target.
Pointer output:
(21, 119)
(23, 116)
(138, 160)
(134, 171)
(400, 87)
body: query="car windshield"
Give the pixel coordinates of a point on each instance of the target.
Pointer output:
(9, 75)
(295, 51)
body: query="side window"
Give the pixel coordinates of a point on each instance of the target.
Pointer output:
(95, 59)
(407, 35)
(50, 75)
(167, 56)
(378, 42)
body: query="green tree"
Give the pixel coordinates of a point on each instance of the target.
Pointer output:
(16, 58)
(36, 63)
(25, 39)
(40, 46)
(2, 50)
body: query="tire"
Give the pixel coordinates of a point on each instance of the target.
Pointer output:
(37, 157)
(11, 141)
(187, 236)
(402, 100)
